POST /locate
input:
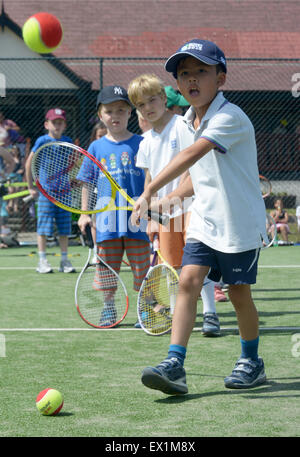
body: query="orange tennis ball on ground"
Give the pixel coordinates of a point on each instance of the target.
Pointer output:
(42, 33)
(49, 402)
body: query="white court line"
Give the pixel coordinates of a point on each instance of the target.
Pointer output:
(17, 268)
(278, 266)
(131, 329)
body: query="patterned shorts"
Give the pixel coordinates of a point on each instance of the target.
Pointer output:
(138, 255)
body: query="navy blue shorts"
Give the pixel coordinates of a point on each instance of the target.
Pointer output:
(48, 213)
(235, 268)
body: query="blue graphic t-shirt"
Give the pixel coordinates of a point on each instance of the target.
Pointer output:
(119, 160)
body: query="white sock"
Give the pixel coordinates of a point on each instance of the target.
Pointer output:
(42, 255)
(64, 256)
(208, 296)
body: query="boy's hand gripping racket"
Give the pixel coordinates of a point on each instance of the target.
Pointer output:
(100, 295)
(157, 296)
(75, 180)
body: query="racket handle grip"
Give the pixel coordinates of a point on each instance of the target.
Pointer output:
(155, 243)
(163, 219)
(27, 199)
(89, 237)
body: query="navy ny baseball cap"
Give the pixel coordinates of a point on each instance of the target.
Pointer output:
(111, 94)
(206, 51)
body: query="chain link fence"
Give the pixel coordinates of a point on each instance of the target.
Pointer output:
(267, 90)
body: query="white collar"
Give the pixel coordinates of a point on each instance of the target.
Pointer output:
(214, 106)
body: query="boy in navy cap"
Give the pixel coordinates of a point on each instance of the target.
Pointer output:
(227, 222)
(117, 151)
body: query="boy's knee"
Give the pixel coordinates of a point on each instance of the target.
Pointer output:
(240, 294)
(190, 282)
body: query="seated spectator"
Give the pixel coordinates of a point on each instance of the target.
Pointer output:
(280, 217)
(99, 130)
(13, 131)
(298, 217)
(15, 176)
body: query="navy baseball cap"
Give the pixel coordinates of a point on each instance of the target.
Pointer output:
(111, 94)
(206, 51)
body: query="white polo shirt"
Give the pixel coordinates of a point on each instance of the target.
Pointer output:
(158, 149)
(228, 212)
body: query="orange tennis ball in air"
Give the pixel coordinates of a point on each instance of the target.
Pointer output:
(42, 33)
(49, 402)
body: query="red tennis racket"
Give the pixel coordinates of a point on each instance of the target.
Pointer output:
(101, 297)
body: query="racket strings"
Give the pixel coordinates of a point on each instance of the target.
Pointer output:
(271, 230)
(101, 298)
(64, 173)
(157, 293)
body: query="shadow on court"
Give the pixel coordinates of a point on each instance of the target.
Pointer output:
(271, 387)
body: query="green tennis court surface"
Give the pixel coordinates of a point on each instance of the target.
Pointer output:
(44, 343)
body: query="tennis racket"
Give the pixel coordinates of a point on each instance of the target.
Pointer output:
(157, 296)
(27, 199)
(22, 193)
(271, 231)
(76, 181)
(16, 184)
(265, 186)
(100, 295)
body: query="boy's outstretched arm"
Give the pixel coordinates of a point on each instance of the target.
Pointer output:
(178, 165)
(174, 199)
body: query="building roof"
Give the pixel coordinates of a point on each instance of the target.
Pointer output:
(252, 29)
(243, 29)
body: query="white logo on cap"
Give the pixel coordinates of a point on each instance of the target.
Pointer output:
(188, 46)
(58, 111)
(118, 91)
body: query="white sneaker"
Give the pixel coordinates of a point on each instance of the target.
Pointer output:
(44, 266)
(66, 267)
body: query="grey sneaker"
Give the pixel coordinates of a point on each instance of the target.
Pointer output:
(44, 266)
(66, 267)
(168, 377)
(211, 325)
(247, 373)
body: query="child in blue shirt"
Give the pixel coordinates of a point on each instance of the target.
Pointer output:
(117, 151)
(55, 124)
